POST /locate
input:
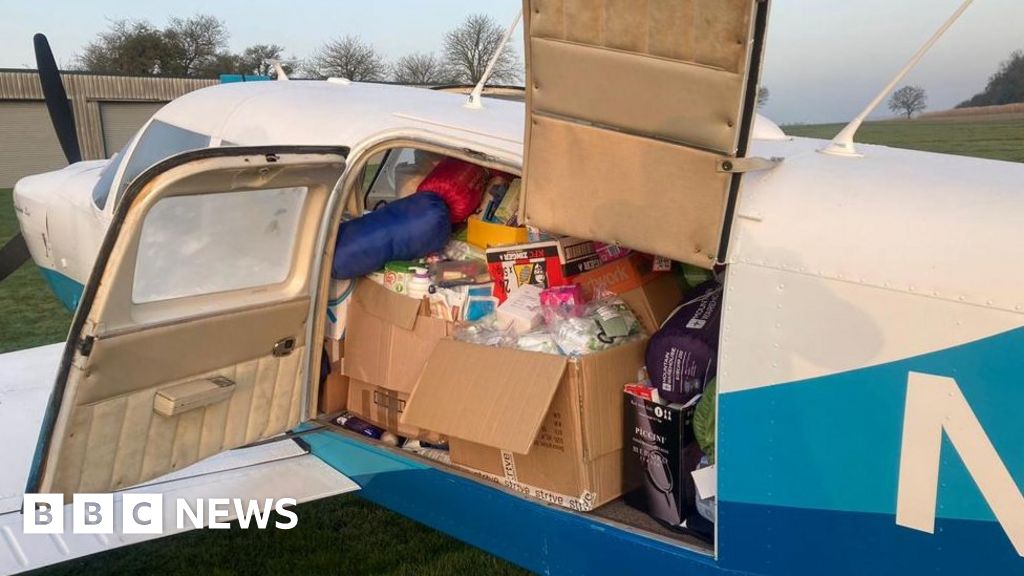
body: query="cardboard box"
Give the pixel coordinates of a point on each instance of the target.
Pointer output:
(548, 426)
(483, 234)
(383, 408)
(388, 338)
(653, 302)
(543, 264)
(619, 276)
(387, 344)
(663, 452)
(334, 390)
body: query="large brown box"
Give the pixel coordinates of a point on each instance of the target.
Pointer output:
(334, 390)
(547, 426)
(387, 342)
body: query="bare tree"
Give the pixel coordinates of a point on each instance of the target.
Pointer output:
(908, 100)
(469, 48)
(349, 57)
(197, 41)
(763, 94)
(421, 68)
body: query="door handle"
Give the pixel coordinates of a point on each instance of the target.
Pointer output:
(283, 347)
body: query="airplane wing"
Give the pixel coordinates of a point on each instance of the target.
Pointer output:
(282, 469)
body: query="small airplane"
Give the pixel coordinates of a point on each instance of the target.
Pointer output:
(868, 391)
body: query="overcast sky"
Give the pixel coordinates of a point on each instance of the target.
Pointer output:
(825, 58)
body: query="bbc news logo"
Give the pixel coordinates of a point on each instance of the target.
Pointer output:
(144, 513)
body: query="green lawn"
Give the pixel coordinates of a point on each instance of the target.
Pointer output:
(996, 137)
(341, 535)
(30, 314)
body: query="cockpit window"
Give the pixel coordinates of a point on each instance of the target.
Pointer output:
(102, 188)
(158, 142)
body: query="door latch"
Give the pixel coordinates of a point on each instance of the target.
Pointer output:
(284, 347)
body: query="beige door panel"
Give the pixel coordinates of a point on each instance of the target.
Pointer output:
(152, 384)
(123, 363)
(125, 441)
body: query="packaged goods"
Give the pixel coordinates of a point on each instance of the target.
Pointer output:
(482, 234)
(521, 310)
(459, 249)
(460, 184)
(406, 229)
(561, 302)
(397, 276)
(604, 324)
(619, 276)
(364, 428)
(451, 273)
(337, 307)
(419, 283)
(543, 264)
(494, 193)
(610, 252)
(704, 422)
(538, 341)
(682, 356)
(664, 452)
(507, 211)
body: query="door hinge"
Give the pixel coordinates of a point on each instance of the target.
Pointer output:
(743, 165)
(85, 345)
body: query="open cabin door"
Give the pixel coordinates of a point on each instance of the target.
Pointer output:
(191, 337)
(636, 111)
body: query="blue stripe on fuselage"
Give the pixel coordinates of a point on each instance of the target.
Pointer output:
(68, 291)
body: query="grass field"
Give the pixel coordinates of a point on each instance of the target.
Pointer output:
(1000, 137)
(346, 535)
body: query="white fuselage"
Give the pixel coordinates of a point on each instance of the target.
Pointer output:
(64, 227)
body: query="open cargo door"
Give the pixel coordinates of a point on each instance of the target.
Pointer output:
(636, 112)
(191, 337)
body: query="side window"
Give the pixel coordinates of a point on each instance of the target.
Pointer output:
(159, 141)
(204, 244)
(101, 190)
(401, 172)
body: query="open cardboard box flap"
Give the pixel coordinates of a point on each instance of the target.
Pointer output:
(504, 410)
(396, 309)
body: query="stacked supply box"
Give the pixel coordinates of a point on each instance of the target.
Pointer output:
(546, 426)
(389, 339)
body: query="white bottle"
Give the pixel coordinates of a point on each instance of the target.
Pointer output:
(419, 284)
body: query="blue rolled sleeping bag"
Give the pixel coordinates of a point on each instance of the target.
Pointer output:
(406, 229)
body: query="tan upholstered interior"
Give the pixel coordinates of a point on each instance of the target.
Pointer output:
(108, 435)
(637, 102)
(120, 441)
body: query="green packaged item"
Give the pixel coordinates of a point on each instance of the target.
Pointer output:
(689, 276)
(704, 422)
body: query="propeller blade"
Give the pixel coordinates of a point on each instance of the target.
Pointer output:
(13, 255)
(56, 99)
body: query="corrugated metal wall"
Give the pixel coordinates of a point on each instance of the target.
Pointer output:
(121, 120)
(86, 92)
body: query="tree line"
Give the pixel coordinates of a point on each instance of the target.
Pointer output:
(197, 46)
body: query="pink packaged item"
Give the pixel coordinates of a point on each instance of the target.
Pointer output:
(610, 252)
(561, 302)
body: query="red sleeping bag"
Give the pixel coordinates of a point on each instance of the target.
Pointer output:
(460, 184)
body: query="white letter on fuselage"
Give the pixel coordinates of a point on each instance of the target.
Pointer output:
(935, 405)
